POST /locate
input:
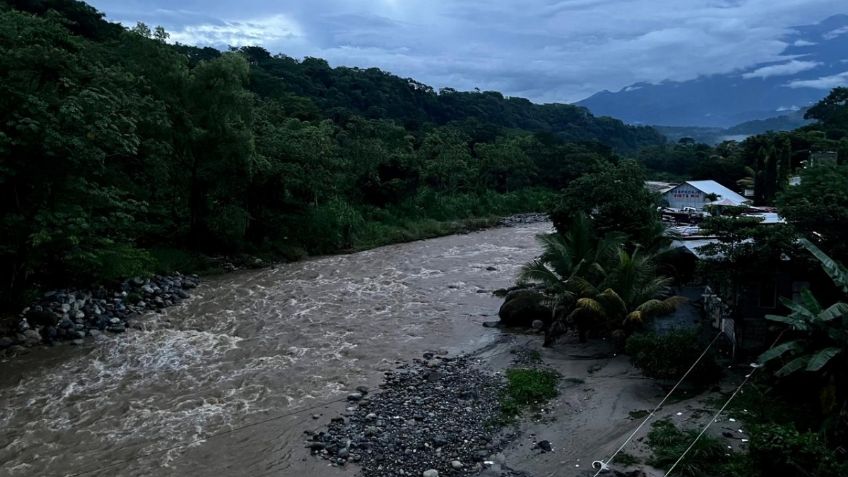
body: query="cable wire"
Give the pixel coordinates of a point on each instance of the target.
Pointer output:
(723, 407)
(604, 465)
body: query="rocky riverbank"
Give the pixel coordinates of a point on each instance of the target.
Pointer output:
(523, 219)
(433, 417)
(72, 315)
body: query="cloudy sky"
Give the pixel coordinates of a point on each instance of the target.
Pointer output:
(545, 50)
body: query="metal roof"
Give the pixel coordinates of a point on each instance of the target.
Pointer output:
(713, 187)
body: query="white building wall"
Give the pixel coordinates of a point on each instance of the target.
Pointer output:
(685, 195)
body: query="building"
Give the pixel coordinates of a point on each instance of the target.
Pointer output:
(699, 194)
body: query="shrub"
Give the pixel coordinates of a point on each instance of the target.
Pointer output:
(668, 443)
(668, 356)
(777, 449)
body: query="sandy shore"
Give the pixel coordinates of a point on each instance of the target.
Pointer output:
(591, 417)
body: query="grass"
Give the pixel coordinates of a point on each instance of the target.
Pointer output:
(706, 459)
(625, 459)
(525, 389)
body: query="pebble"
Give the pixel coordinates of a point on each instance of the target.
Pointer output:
(71, 314)
(419, 421)
(430, 473)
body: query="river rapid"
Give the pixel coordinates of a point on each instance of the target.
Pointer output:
(247, 348)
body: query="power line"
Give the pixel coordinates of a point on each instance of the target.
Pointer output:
(723, 407)
(604, 465)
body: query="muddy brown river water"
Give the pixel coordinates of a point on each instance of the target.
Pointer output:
(247, 348)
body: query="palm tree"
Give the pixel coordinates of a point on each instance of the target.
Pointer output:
(596, 282)
(568, 263)
(630, 293)
(569, 258)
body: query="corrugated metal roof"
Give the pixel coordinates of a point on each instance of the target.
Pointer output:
(693, 246)
(713, 187)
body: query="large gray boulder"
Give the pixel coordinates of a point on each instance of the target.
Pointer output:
(521, 307)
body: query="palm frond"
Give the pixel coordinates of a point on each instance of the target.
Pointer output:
(590, 304)
(837, 310)
(835, 270)
(796, 364)
(821, 358)
(780, 350)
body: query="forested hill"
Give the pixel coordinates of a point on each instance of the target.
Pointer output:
(121, 154)
(375, 94)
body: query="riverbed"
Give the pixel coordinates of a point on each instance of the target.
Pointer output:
(226, 383)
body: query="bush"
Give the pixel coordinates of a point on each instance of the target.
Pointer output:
(669, 356)
(110, 263)
(777, 449)
(668, 443)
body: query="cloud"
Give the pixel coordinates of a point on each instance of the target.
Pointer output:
(835, 33)
(546, 50)
(804, 43)
(275, 28)
(784, 69)
(825, 82)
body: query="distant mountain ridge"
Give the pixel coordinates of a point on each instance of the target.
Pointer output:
(715, 135)
(815, 61)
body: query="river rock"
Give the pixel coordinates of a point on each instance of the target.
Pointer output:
(6, 342)
(430, 473)
(30, 337)
(522, 307)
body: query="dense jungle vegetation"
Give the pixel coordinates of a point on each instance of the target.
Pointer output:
(122, 154)
(608, 271)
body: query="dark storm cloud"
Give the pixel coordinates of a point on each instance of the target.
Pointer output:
(545, 50)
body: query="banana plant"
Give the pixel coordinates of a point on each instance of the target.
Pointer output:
(822, 331)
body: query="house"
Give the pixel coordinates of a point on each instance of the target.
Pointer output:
(699, 194)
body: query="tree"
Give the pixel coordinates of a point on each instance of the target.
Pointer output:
(832, 110)
(818, 207)
(569, 259)
(594, 283)
(615, 198)
(629, 294)
(823, 332)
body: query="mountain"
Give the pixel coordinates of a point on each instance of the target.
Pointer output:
(715, 135)
(815, 60)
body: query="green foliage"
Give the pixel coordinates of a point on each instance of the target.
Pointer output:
(777, 449)
(624, 458)
(615, 198)
(527, 388)
(669, 356)
(122, 154)
(819, 206)
(667, 442)
(597, 283)
(822, 331)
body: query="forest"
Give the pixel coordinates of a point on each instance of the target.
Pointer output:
(123, 154)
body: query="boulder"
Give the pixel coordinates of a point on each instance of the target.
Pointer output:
(522, 307)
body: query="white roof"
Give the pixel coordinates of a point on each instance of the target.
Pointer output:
(769, 218)
(713, 187)
(693, 246)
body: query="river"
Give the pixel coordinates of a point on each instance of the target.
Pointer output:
(256, 349)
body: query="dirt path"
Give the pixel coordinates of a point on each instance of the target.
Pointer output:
(591, 417)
